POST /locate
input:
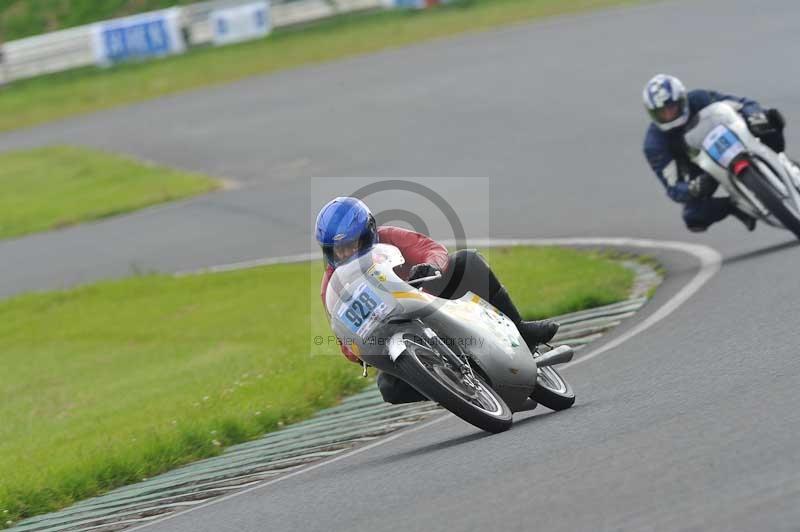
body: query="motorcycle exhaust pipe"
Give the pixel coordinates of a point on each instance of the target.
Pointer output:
(559, 355)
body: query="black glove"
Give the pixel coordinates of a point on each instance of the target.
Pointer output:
(760, 124)
(770, 133)
(419, 271)
(776, 119)
(702, 186)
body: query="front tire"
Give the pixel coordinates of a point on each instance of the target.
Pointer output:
(433, 375)
(771, 200)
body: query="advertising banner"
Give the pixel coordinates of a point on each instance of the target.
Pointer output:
(241, 23)
(144, 36)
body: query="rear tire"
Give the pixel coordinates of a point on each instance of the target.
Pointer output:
(552, 390)
(438, 381)
(771, 200)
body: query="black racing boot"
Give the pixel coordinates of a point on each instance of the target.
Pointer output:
(537, 332)
(533, 332)
(748, 221)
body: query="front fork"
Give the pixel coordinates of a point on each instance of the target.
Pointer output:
(461, 362)
(789, 179)
(791, 168)
(792, 182)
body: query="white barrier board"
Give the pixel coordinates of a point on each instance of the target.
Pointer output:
(241, 23)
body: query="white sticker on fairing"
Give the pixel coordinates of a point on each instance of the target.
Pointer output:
(396, 346)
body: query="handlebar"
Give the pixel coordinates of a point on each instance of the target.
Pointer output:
(438, 275)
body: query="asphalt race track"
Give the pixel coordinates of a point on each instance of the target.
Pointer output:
(691, 425)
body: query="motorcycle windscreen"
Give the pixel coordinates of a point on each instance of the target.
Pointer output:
(359, 293)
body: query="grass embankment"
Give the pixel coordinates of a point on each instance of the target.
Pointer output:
(47, 188)
(38, 100)
(109, 383)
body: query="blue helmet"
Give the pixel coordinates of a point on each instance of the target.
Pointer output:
(666, 101)
(345, 229)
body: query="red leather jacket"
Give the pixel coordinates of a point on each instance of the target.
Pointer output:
(416, 249)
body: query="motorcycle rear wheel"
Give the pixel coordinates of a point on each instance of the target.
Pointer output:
(434, 375)
(552, 390)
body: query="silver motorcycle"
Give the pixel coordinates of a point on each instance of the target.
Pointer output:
(463, 354)
(760, 182)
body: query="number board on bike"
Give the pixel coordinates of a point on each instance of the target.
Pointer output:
(363, 311)
(722, 145)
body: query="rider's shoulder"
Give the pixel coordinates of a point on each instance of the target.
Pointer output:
(391, 234)
(386, 230)
(401, 237)
(699, 98)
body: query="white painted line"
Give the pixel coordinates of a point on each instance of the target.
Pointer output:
(710, 264)
(354, 452)
(303, 257)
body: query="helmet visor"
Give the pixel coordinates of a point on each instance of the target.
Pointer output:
(341, 252)
(668, 112)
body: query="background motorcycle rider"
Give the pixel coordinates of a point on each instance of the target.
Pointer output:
(345, 228)
(671, 109)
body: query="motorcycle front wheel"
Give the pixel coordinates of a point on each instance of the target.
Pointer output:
(772, 200)
(435, 375)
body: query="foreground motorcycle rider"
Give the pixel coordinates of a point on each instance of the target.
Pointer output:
(671, 109)
(345, 228)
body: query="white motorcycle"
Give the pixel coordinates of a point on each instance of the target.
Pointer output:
(760, 182)
(463, 354)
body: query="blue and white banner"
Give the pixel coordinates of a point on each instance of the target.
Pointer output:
(144, 36)
(413, 4)
(241, 23)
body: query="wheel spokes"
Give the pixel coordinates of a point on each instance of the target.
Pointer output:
(551, 380)
(464, 384)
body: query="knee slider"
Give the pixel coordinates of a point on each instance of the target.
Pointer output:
(697, 228)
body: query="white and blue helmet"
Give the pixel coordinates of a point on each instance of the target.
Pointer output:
(665, 100)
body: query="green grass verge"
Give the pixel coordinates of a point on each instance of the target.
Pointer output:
(549, 281)
(109, 383)
(47, 98)
(47, 188)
